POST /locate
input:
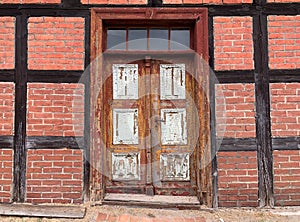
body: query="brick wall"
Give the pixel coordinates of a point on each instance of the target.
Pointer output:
(7, 42)
(7, 109)
(235, 110)
(284, 42)
(287, 177)
(54, 176)
(56, 43)
(6, 129)
(238, 185)
(55, 109)
(6, 165)
(233, 43)
(285, 109)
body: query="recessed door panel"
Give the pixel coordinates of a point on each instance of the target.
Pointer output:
(173, 127)
(125, 126)
(125, 81)
(172, 81)
(125, 166)
(175, 167)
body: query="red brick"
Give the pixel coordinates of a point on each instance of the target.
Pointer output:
(233, 42)
(54, 114)
(47, 175)
(283, 46)
(54, 53)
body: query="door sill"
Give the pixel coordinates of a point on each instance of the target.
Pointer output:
(157, 201)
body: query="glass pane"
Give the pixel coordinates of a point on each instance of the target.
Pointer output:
(180, 39)
(159, 39)
(137, 39)
(116, 39)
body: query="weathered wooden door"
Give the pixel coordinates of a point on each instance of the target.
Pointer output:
(151, 125)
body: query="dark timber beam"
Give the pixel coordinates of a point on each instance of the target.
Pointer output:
(7, 75)
(87, 111)
(212, 79)
(6, 142)
(235, 76)
(19, 177)
(54, 142)
(263, 123)
(54, 76)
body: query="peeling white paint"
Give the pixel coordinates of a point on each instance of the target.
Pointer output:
(125, 81)
(172, 81)
(173, 127)
(125, 126)
(175, 167)
(125, 166)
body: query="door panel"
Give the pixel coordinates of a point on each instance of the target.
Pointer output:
(151, 142)
(175, 143)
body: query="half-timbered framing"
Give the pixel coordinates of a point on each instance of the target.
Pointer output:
(261, 76)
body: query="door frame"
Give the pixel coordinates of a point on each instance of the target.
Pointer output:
(198, 17)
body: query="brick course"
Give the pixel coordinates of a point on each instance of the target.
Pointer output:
(56, 43)
(235, 110)
(55, 109)
(285, 109)
(7, 92)
(238, 184)
(6, 174)
(284, 42)
(54, 176)
(233, 43)
(287, 177)
(7, 42)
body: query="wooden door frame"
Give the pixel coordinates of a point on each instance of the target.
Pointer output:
(198, 17)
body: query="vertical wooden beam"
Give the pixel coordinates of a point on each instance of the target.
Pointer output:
(213, 140)
(19, 177)
(263, 122)
(87, 110)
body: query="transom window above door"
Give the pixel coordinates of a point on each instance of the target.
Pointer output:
(150, 38)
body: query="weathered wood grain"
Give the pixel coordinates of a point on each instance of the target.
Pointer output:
(26, 210)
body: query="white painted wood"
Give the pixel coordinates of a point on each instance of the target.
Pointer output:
(173, 127)
(125, 126)
(125, 81)
(125, 166)
(175, 166)
(172, 81)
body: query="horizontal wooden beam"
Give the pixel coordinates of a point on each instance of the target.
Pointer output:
(249, 144)
(54, 76)
(82, 10)
(54, 142)
(235, 76)
(225, 144)
(7, 75)
(284, 75)
(286, 143)
(6, 142)
(237, 144)
(231, 76)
